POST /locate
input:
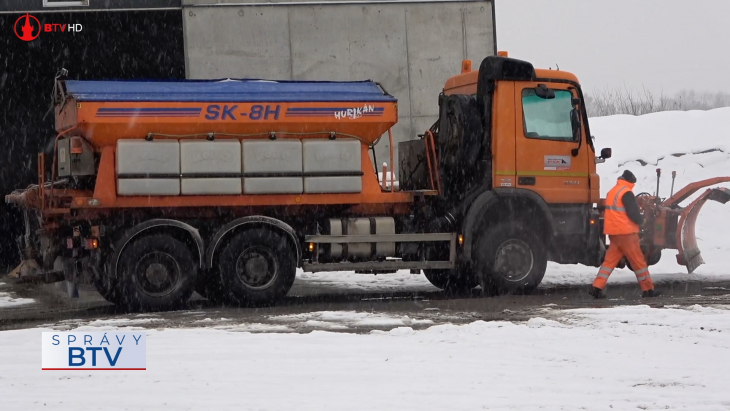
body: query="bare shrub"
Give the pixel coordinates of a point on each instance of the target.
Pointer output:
(608, 102)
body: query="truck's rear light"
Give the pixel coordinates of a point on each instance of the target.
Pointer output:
(593, 221)
(311, 247)
(461, 239)
(77, 145)
(92, 243)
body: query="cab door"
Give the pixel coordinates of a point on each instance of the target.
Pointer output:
(545, 162)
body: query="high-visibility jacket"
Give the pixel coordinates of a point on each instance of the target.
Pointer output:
(616, 220)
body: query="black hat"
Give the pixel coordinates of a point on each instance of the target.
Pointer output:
(628, 176)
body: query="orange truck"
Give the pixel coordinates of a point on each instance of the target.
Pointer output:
(159, 189)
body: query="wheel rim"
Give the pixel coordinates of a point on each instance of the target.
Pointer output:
(514, 260)
(257, 267)
(157, 273)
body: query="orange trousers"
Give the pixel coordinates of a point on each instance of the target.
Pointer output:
(626, 245)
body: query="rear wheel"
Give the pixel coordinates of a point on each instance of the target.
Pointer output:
(509, 258)
(156, 272)
(257, 266)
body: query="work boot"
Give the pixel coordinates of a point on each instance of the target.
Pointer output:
(596, 292)
(651, 293)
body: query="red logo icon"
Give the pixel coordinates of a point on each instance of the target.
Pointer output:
(27, 28)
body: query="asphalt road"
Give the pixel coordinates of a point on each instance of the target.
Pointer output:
(295, 313)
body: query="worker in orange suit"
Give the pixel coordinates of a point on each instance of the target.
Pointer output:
(622, 220)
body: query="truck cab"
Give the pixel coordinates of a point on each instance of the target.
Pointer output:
(540, 134)
(532, 154)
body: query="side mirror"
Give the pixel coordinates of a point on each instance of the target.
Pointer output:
(544, 91)
(606, 153)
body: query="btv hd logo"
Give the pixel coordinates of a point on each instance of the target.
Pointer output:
(94, 351)
(28, 27)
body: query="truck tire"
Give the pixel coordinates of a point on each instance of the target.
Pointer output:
(509, 258)
(156, 272)
(452, 281)
(258, 266)
(107, 286)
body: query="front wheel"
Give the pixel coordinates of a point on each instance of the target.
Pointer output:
(509, 258)
(456, 281)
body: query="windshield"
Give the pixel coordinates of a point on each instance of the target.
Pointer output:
(547, 118)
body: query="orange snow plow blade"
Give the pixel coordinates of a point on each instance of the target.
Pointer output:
(689, 253)
(670, 226)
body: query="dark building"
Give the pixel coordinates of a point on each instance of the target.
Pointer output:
(119, 39)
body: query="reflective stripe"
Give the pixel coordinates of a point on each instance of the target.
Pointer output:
(615, 206)
(618, 195)
(642, 278)
(642, 271)
(606, 269)
(602, 275)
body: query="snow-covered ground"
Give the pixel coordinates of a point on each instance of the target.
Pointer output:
(8, 300)
(591, 359)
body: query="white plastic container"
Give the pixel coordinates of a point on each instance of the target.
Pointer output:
(139, 162)
(148, 157)
(320, 185)
(211, 186)
(272, 185)
(272, 156)
(204, 165)
(333, 157)
(148, 187)
(264, 162)
(340, 155)
(205, 157)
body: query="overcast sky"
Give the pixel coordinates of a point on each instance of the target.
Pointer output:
(663, 45)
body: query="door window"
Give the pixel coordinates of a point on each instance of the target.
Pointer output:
(547, 119)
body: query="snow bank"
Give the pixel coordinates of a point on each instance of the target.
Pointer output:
(653, 136)
(343, 320)
(401, 281)
(7, 300)
(592, 359)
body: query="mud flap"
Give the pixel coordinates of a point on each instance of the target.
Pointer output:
(689, 253)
